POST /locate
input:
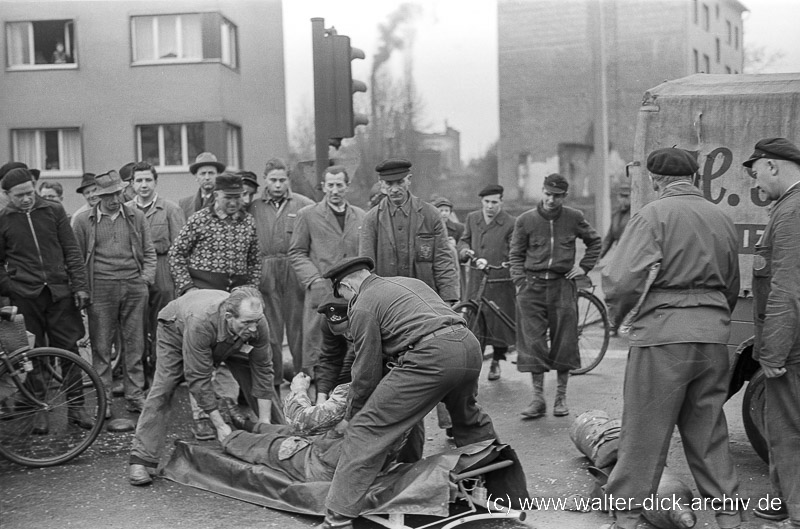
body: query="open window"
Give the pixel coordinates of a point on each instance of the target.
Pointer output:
(40, 44)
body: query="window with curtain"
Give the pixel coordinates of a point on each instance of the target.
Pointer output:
(41, 44)
(233, 140)
(185, 37)
(171, 146)
(228, 44)
(56, 152)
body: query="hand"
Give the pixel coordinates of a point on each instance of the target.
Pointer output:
(82, 299)
(322, 398)
(481, 263)
(575, 272)
(773, 372)
(223, 431)
(300, 383)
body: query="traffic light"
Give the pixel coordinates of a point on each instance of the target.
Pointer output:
(345, 119)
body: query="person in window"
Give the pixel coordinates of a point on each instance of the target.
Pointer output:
(52, 191)
(60, 54)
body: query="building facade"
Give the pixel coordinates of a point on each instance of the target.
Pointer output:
(549, 77)
(89, 86)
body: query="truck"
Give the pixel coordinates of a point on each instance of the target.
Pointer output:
(719, 118)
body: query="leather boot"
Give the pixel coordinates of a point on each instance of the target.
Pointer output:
(560, 408)
(238, 420)
(203, 430)
(335, 521)
(494, 370)
(139, 475)
(537, 407)
(41, 423)
(79, 417)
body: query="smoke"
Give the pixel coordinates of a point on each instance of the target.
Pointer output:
(391, 36)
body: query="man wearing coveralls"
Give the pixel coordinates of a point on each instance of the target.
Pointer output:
(678, 368)
(434, 358)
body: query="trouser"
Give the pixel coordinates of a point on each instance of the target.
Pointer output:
(283, 308)
(225, 387)
(316, 295)
(119, 304)
(675, 384)
(783, 437)
(444, 368)
(547, 305)
(159, 296)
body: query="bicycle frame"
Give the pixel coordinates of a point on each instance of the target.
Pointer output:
(27, 366)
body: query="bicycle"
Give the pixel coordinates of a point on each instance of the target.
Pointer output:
(594, 329)
(50, 380)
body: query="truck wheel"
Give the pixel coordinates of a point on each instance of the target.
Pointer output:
(753, 414)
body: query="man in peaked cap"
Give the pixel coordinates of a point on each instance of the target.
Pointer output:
(434, 357)
(336, 354)
(205, 168)
(678, 368)
(775, 165)
(405, 236)
(543, 273)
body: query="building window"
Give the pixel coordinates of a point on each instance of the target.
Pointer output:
(174, 146)
(706, 18)
(719, 53)
(736, 38)
(56, 152)
(730, 32)
(707, 62)
(182, 38)
(41, 44)
(696, 61)
(233, 137)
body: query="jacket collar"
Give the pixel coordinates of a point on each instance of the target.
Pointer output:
(679, 189)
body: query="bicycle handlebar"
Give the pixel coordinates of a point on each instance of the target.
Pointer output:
(474, 262)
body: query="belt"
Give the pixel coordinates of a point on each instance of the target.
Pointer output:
(547, 274)
(434, 334)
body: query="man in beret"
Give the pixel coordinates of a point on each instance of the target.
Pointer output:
(678, 256)
(42, 272)
(488, 236)
(205, 168)
(543, 269)
(8, 166)
(115, 242)
(217, 249)
(775, 165)
(406, 236)
(433, 358)
(275, 215)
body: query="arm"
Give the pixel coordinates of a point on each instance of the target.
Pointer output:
(300, 250)
(198, 363)
(368, 236)
(517, 252)
(253, 258)
(73, 260)
(464, 245)
(444, 265)
(179, 256)
(148, 251)
(608, 241)
(593, 243)
(175, 221)
(368, 364)
(262, 373)
(331, 359)
(306, 419)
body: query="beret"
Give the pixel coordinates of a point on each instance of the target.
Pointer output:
(229, 183)
(491, 189)
(9, 166)
(775, 149)
(393, 169)
(672, 161)
(555, 183)
(334, 312)
(15, 177)
(442, 201)
(346, 267)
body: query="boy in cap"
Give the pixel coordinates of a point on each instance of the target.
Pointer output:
(775, 165)
(678, 368)
(543, 269)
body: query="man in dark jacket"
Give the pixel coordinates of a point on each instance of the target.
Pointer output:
(542, 258)
(41, 270)
(678, 368)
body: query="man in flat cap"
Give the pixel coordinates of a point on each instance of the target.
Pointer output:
(677, 260)
(488, 236)
(434, 358)
(42, 272)
(205, 168)
(406, 237)
(217, 249)
(775, 165)
(543, 269)
(115, 242)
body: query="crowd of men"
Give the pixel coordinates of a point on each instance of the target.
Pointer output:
(205, 291)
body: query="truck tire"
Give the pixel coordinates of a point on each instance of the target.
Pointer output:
(753, 414)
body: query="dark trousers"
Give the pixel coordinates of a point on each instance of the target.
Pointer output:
(667, 385)
(445, 368)
(783, 437)
(547, 305)
(283, 308)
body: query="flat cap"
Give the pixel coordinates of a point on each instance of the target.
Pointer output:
(555, 183)
(346, 267)
(15, 177)
(442, 201)
(334, 311)
(249, 178)
(774, 149)
(393, 169)
(229, 183)
(86, 180)
(491, 189)
(672, 161)
(126, 171)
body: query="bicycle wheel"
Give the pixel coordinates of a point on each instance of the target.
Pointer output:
(55, 379)
(476, 321)
(754, 414)
(593, 331)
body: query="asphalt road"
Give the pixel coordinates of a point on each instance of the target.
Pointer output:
(92, 491)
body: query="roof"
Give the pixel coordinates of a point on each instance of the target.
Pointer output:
(724, 84)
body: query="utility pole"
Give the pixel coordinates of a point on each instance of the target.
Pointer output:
(602, 187)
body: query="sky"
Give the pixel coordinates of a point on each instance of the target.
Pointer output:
(454, 55)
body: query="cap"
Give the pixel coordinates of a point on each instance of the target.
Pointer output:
(15, 177)
(334, 311)
(249, 178)
(346, 267)
(9, 166)
(556, 184)
(672, 161)
(491, 189)
(86, 181)
(774, 149)
(109, 183)
(206, 158)
(126, 171)
(442, 201)
(229, 183)
(393, 169)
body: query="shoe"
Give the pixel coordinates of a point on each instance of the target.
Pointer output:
(41, 423)
(494, 370)
(135, 405)
(238, 420)
(80, 418)
(335, 521)
(777, 515)
(536, 409)
(448, 432)
(560, 408)
(118, 389)
(139, 476)
(203, 430)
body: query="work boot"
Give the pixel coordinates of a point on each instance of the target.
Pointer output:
(494, 370)
(779, 514)
(537, 407)
(41, 423)
(138, 475)
(79, 417)
(238, 420)
(203, 430)
(560, 408)
(335, 521)
(135, 405)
